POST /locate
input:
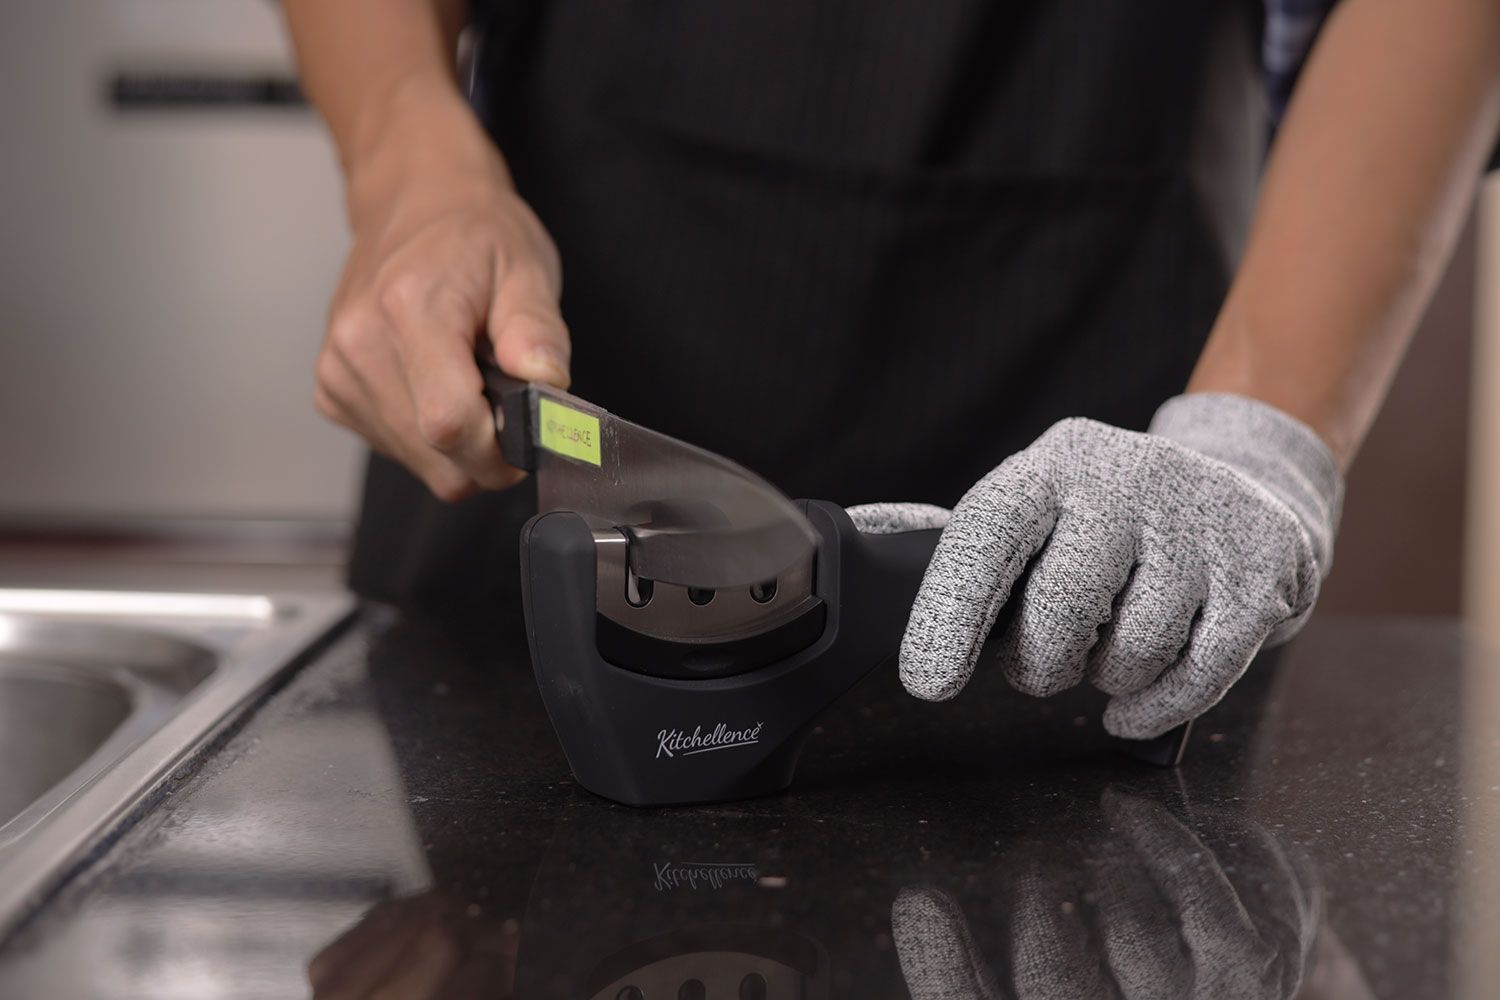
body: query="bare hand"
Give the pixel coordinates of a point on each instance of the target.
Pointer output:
(444, 252)
(426, 947)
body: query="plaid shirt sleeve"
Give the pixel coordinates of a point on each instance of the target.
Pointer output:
(1291, 27)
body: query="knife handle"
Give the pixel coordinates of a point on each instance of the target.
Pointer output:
(510, 399)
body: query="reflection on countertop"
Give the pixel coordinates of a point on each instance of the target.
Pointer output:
(1140, 901)
(399, 822)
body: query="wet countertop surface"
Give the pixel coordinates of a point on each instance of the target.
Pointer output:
(398, 821)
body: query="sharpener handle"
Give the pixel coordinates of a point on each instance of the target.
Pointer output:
(900, 559)
(510, 399)
(1165, 750)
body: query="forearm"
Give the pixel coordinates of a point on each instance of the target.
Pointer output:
(381, 73)
(1365, 193)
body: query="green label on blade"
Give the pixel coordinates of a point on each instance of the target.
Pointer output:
(569, 432)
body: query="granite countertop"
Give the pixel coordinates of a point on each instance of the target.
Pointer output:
(398, 821)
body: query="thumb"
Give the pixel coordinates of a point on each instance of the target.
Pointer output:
(939, 959)
(526, 327)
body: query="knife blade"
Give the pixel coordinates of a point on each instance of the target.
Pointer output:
(693, 518)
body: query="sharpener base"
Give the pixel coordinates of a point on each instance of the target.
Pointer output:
(654, 737)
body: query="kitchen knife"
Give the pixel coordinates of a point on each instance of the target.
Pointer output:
(692, 517)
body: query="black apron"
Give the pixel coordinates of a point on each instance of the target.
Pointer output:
(867, 248)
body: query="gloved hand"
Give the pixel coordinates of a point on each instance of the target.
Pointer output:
(1155, 565)
(1155, 907)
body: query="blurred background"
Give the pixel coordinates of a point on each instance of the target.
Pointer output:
(173, 229)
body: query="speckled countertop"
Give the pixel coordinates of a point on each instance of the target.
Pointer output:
(398, 821)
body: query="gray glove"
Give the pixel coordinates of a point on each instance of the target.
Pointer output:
(1153, 908)
(1156, 565)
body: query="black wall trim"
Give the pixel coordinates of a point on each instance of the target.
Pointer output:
(132, 91)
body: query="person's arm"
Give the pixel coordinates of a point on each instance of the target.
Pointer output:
(1366, 191)
(361, 60)
(1157, 565)
(444, 249)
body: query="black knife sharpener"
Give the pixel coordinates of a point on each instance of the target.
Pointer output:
(646, 719)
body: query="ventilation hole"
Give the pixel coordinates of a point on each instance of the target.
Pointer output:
(693, 989)
(753, 987)
(630, 993)
(700, 595)
(763, 593)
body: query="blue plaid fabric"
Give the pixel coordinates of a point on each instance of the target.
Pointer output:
(1291, 26)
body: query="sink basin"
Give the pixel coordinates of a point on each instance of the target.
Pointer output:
(104, 696)
(48, 726)
(74, 693)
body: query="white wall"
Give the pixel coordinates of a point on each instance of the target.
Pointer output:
(163, 276)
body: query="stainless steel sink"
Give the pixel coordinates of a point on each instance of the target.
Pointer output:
(104, 695)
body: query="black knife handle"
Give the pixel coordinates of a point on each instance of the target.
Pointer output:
(510, 398)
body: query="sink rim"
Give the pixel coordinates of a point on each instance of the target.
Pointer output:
(36, 864)
(80, 643)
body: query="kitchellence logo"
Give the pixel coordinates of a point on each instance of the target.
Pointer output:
(680, 743)
(714, 875)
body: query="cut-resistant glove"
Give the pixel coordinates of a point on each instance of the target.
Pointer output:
(1152, 906)
(1154, 565)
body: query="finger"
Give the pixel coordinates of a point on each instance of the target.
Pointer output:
(366, 956)
(896, 518)
(1069, 595)
(1151, 627)
(423, 970)
(996, 528)
(1138, 936)
(1277, 887)
(366, 934)
(938, 957)
(344, 397)
(526, 328)
(488, 970)
(1050, 952)
(1224, 640)
(332, 409)
(363, 376)
(435, 326)
(1228, 954)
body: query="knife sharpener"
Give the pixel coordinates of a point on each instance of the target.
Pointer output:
(668, 695)
(663, 694)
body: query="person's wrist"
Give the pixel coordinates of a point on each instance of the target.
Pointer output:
(418, 132)
(1275, 449)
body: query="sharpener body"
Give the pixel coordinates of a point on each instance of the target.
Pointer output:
(647, 740)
